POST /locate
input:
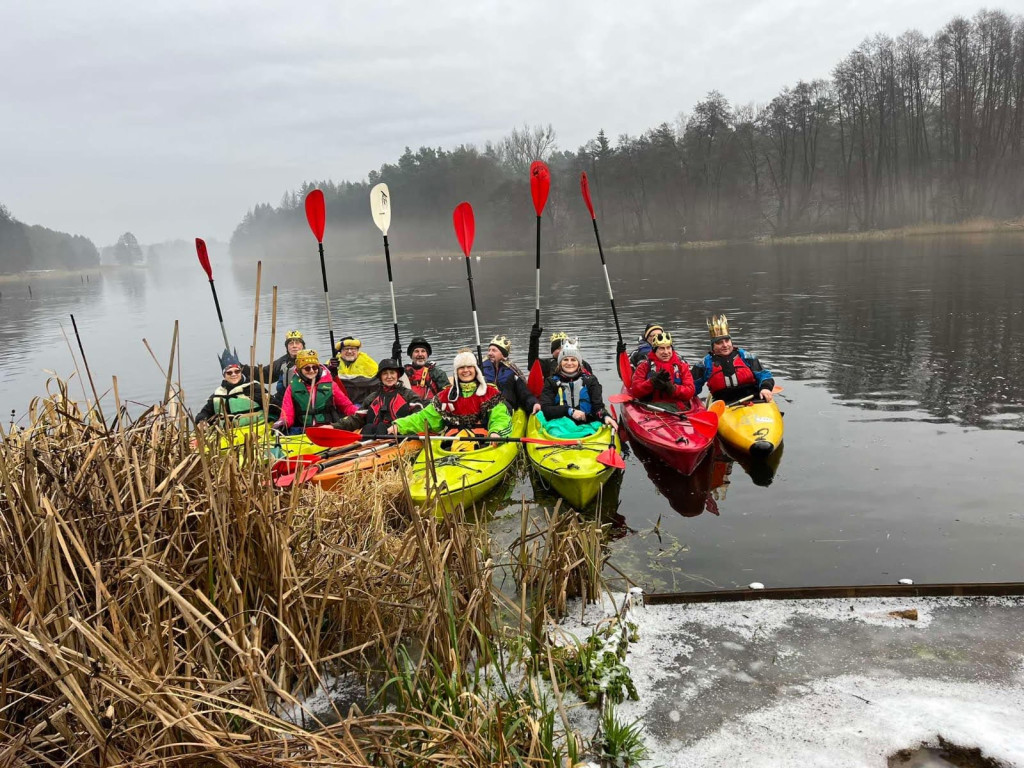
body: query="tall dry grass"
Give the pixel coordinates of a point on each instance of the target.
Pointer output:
(163, 605)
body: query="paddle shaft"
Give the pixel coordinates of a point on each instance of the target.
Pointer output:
(607, 281)
(220, 317)
(472, 302)
(391, 285)
(536, 318)
(327, 298)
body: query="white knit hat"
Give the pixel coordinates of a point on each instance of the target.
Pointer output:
(569, 349)
(463, 359)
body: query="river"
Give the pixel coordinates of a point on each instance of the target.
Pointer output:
(902, 365)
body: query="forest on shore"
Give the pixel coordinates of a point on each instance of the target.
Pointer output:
(24, 247)
(906, 131)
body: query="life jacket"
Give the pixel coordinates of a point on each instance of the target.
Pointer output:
(673, 366)
(729, 373)
(421, 380)
(459, 411)
(242, 409)
(386, 406)
(567, 393)
(323, 410)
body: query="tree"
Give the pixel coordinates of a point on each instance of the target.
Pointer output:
(127, 249)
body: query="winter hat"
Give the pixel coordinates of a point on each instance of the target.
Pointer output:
(419, 341)
(652, 327)
(569, 350)
(389, 364)
(463, 359)
(502, 343)
(306, 357)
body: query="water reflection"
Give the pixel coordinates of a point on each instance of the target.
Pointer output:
(689, 495)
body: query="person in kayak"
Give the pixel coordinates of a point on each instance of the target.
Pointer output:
(469, 403)
(573, 393)
(663, 376)
(549, 366)
(277, 373)
(731, 373)
(426, 379)
(391, 402)
(238, 397)
(312, 396)
(354, 370)
(646, 347)
(507, 377)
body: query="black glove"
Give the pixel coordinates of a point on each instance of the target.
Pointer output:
(620, 348)
(396, 351)
(332, 365)
(662, 381)
(535, 333)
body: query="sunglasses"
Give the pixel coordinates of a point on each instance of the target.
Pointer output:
(311, 367)
(233, 372)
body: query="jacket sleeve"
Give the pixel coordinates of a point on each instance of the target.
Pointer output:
(597, 407)
(440, 377)
(288, 409)
(341, 401)
(641, 386)
(500, 420)
(413, 402)
(761, 374)
(684, 392)
(699, 373)
(207, 411)
(524, 397)
(426, 420)
(549, 401)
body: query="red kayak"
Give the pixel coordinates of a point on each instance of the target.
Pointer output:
(672, 437)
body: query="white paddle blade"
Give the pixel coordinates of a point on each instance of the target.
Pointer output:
(380, 207)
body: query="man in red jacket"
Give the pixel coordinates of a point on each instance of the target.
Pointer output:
(663, 377)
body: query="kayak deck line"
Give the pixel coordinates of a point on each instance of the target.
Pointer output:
(970, 589)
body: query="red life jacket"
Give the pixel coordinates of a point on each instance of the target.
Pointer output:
(730, 372)
(385, 407)
(673, 366)
(458, 410)
(421, 382)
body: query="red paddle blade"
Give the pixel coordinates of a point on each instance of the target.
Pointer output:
(535, 382)
(625, 369)
(585, 189)
(329, 437)
(293, 463)
(540, 185)
(301, 475)
(705, 423)
(316, 214)
(204, 257)
(621, 397)
(465, 226)
(611, 458)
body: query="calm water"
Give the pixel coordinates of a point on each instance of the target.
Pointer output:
(902, 363)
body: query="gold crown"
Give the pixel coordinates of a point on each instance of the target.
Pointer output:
(718, 327)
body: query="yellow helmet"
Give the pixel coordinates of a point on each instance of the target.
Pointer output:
(663, 339)
(502, 343)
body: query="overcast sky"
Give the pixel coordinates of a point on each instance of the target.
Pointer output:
(171, 118)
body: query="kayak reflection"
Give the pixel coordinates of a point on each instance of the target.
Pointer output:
(689, 495)
(761, 469)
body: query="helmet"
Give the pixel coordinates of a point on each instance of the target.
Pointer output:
(502, 343)
(294, 336)
(663, 339)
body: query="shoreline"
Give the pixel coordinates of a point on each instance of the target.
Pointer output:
(55, 274)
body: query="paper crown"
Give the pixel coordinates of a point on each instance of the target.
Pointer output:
(306, 357)
(718, 328)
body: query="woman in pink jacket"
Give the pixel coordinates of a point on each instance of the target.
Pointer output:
(312, 397)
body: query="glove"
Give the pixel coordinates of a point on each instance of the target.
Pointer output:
(396, 351)
(535, 333)
(620, 348)
(280, 426)
(332, 365)
(662, 381)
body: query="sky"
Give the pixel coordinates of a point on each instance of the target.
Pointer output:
(172, 118)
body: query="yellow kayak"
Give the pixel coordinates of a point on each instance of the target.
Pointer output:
(463, 477)
(572, 470)
(753, 427)
(285, 445)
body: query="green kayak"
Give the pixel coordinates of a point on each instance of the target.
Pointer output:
(572, 470)
(463, 477)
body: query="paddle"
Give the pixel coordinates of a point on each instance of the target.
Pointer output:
(705, 423)
(540, 185)
(535, 381)
(204, 261)
(292, 463)
(719, 406)
(309, 471)
(625, 367)
(610, 457)
(316, 215)
(331, 437)
(380, 207)
(465, 231)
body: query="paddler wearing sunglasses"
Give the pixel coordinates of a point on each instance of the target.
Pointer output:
(312, 397)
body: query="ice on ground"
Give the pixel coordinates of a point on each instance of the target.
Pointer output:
(825, 682)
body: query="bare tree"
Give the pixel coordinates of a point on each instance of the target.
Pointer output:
(521, 147)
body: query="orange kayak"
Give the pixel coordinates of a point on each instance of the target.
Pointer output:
(377, 453)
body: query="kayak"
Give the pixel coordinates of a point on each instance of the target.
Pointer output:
(463, 478)
(285, 445)
(370, 455)
(572, 470)
(754, 428)
(669, 436)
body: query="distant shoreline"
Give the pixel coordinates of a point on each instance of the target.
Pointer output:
(39, 275)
